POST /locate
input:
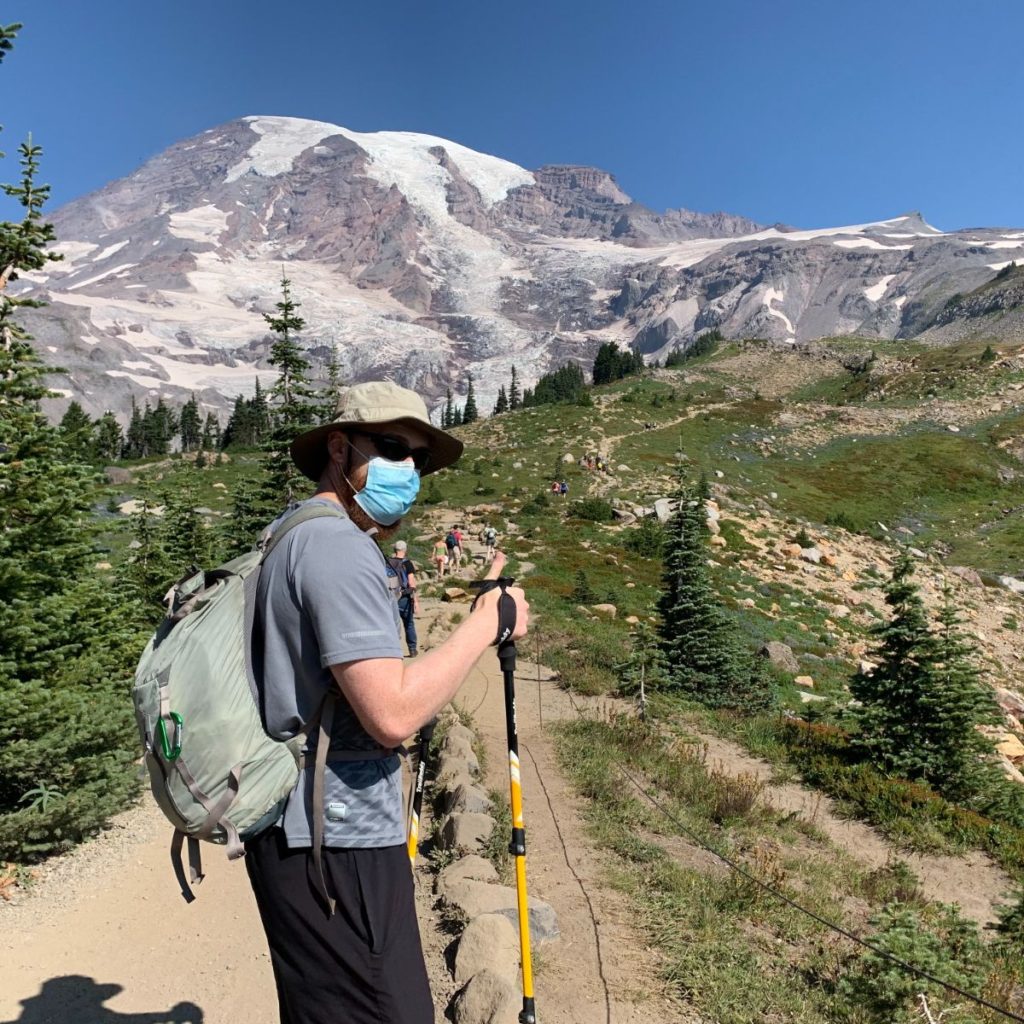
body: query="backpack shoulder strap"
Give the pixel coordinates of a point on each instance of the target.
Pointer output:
(268, 541)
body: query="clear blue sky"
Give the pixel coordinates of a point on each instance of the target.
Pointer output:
(810, 112)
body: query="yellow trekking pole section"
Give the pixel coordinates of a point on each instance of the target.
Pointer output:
(518, 850)
(416, 801)
(507, 660)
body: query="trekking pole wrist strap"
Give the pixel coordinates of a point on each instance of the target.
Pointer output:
(506, 606)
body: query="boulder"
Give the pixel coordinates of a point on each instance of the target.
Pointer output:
(781, 656)
(1012, 583)
(865, 668)
(718, 541)
(465, 797)
(622, 468)
(458, 731)
(472, 898)
(487, 999)
(460, 747)
(840, 611)
(568, 457)
(450, 766)
(807, 681)
(1010, 747)
(490, 942)
(713, 528)
(807, 698)
(454, 594)
(466, 831)
(663, 509)
(711, 509)
(965, 572)
(606, 611)
(812, 555)
(623, 517)
(472, 866)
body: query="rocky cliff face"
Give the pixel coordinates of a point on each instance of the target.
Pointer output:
(424, 260)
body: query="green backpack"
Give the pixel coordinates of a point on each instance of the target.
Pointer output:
(215, 772)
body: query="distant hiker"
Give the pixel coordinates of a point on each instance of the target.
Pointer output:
(555, 488)
(440, 556)
(563, 489)
(451, 544)
(408, 601)
(331, 877)
(458, 546)
(490, 538)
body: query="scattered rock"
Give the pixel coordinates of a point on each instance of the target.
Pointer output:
(467, 798)
(807, 698)
(840, 611)
(454, 594)
(490, 942)
(473, 867)
(608, 611)
(865, 668)
(780, 655)
(467, 831)
(1012, 583)
(952, 428)
(487, 999)
(807, 681)
(718, 541)
(472, 898)
(713, 528)
(1010, 747)
(812, 555)
(663, 509)
(568, 457)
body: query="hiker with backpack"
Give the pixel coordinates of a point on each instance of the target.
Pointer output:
(404, 574)
(451, 543)
(490, 538)
(304, 634)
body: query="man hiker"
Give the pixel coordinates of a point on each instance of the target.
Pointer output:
(341, 921)
(490, 538)
(408, 601)
(451, 543)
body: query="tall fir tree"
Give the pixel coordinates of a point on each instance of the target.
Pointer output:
(331, 385)
(108, 439)
(469, 410)
(135, 438)
(293, 404)
(645, 670)
(515, 398)
(448, 415)
(191, 425)
(501, 403)
(705, 656)
(209, 441)
(76, 429)
(65, 726)
(919, 709)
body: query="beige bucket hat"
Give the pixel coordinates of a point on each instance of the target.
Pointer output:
(377, 403)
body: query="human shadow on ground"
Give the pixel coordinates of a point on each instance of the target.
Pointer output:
(75, 999)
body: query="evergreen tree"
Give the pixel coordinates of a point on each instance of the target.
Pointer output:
(183, 533)
(515, 398)
(191, 425)
(331, 386)
(920, 708)
(261, 423)
(448, 415)
(135, 439)
(210, 439)
(645, 668)
(76, 429)
(457, 417)
(148, 571)
(501, 405)
(469, 412)
(293, 402)
(65, 727)
(705, 656)
(108, 440)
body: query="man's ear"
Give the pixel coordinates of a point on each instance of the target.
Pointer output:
(337, 448)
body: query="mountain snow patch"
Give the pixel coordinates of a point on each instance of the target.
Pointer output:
(774, 295)
(876, 291)
(281, 140)
(203, 224)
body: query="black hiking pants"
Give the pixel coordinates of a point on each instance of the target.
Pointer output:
(363, 965)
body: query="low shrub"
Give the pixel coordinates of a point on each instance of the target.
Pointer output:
(594, 510)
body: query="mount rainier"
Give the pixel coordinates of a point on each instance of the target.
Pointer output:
(423, 260)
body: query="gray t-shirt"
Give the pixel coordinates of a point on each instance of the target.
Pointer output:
(323, 600)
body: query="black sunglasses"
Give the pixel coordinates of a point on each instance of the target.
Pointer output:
(395, 449)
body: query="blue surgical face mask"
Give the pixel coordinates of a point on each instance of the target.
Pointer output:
(391, 488)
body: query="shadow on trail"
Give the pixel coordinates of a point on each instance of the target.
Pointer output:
(75, 999)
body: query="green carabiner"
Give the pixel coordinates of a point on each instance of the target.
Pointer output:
(170, 753)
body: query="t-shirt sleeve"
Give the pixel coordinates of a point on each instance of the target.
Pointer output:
(341, 586)
(409, 567)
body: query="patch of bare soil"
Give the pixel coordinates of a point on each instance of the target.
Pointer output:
(973, 881)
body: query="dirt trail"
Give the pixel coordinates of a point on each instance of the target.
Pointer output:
(106, 932)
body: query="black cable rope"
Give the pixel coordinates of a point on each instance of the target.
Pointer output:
(579, 882)
(831, 925)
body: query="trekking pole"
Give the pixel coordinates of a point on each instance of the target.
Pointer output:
(416, 803)
(507, 660)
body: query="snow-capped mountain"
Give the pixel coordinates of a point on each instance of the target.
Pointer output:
(423, 260)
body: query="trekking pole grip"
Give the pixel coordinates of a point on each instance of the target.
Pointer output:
(506, 617)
